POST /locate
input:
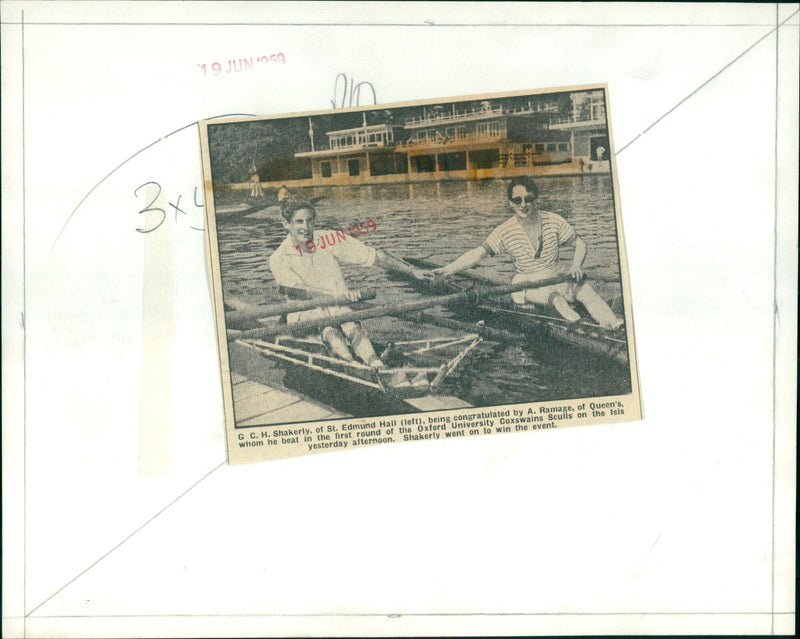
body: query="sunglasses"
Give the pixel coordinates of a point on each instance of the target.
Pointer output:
(518, 200)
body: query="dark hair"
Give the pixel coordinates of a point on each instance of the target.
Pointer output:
(290, 206)
(527, 182)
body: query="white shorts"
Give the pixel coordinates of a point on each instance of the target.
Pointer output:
(542, 294)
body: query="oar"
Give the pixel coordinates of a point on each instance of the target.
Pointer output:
(487, 332)
(470, 296)
(480, 277)
(249, 312)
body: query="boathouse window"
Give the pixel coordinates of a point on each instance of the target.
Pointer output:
(455, 132)
(562, 147)
(325, 169)
(353, 167)
(551, 146)
(387, 164)
(540, 148)
(424, 163)
(452, 162)
(484, 159)
(489, 129)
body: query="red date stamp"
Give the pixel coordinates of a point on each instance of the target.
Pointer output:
(241, 64)
(331, 238)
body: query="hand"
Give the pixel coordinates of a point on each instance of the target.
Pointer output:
(576, 273)
(354, 296)
(436, 274)
(423, 276)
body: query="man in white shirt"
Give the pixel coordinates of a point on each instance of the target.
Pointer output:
(309, 259)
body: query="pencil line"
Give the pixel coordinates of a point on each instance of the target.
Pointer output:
(411, 614)
(422, 25)
(123, 163)
(713, 77)
(774, 317)
(24, 353)
(107, 553)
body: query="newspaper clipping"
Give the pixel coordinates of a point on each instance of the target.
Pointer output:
(421, 270)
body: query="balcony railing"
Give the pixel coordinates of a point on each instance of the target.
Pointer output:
(456, 139)
(472, 114)
(356, 146)
(529, 158)
(598, 118)
(453, 117)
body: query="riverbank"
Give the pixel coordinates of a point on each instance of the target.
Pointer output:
(566, 169)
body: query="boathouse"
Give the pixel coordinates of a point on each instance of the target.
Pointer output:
(559, 135)
(483, 139)
(482, 142)
(587, 127)
(355, 154)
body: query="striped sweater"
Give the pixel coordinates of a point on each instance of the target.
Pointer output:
(531, 255)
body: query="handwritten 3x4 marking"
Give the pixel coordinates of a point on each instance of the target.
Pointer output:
(176, 206)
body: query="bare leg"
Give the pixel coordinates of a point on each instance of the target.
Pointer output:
(597, 307)
(362, 347)
(333, 337)
(546, 296)
(561, 304)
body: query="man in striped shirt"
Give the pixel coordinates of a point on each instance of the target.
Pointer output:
(533, 238)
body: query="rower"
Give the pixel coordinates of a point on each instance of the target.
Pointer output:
(309, 259)
(533, 238)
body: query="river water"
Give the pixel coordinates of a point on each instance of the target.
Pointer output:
(440, 221)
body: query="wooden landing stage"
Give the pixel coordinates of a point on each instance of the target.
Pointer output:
(257, 403)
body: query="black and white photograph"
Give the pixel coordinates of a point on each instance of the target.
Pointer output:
(421, 258)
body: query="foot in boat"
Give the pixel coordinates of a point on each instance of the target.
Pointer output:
(377, 363)
(613, 326)
(564, 309)
(398, 380)
(420, 380)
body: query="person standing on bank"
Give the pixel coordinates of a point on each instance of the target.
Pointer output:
(309, 259)
(256, 191)
(533, 238)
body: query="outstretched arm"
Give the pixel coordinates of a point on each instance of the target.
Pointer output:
(463, 262)
(391, 263)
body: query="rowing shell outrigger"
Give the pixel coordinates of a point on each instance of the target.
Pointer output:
(414, 370)
(411, 379)
(490, 304)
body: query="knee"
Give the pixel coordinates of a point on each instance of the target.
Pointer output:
(551, 299)
(584, 288)
(331, 333)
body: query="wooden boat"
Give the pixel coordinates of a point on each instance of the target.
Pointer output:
(536, 321)
(316, 373)
(411, 380)
(267, 206)
(240, 209)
